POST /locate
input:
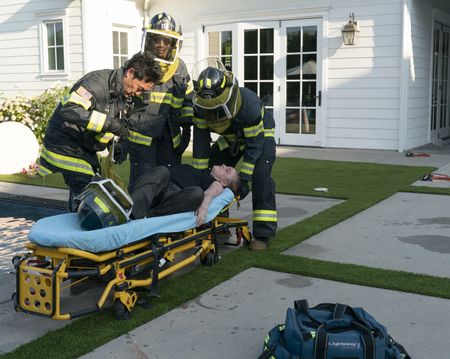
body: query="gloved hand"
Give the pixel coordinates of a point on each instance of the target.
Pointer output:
(185, 138)
(117, 126)
(120, 150)
(244, 189)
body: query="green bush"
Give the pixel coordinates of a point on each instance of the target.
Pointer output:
(33, 112)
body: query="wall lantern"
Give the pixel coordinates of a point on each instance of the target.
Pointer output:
(349, 31)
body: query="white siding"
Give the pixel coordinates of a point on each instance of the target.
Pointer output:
(20, 61)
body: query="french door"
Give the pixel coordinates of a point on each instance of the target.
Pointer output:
(440, 121)
(281, 62)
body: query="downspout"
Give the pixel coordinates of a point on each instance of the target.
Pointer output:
(405, 69)
(83, 35)
(146, 11)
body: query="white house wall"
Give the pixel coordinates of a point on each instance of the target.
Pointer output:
(99, 17)
(362, 89)
(20, 59)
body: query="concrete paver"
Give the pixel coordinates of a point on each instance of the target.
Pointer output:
(232, 319)
(408, 232)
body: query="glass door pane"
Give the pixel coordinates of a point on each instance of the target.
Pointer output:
(259, 64)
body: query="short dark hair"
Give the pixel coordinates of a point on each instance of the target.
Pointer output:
(235, 185)
(145, 67)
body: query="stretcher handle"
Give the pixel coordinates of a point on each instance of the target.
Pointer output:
(84, 273)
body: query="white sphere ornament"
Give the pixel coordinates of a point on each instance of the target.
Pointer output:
(18, 147)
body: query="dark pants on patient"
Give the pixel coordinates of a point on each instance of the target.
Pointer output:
(154, 195)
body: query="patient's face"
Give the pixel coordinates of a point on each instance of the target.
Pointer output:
(224, 174)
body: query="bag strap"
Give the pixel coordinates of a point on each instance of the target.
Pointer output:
(320, 347)
(338, 309)
(400, 348)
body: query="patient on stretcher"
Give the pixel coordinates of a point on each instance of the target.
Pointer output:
(159, 193)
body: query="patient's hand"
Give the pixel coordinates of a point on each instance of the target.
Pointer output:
(201, 213)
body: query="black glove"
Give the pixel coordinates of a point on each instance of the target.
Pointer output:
(185, 138)
(117, 126)
(244, 189)
(120, 150)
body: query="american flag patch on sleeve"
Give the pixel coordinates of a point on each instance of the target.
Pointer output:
(83, 92)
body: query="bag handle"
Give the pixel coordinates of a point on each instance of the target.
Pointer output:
(338, 309)
(320, 347)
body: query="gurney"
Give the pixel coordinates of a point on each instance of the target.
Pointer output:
(135, 255)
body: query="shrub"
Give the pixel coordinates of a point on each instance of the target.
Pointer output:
(33, 112)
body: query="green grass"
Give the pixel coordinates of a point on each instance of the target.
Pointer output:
(361, 185)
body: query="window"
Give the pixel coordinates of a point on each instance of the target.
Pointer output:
(220, 45)
(55, 45)
(120, 47)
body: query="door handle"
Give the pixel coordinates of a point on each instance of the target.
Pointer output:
(319, 97)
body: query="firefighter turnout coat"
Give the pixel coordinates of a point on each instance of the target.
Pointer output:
(76, 129)
(250, 136)
(162, 111)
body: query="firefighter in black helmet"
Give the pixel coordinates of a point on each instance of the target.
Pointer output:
(161, 129)
(246, 131)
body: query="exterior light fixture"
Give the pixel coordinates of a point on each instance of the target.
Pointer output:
(349, 31)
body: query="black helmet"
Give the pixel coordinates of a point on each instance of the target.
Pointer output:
(162, 30)
(163, 21)
(217, 96)
(103, 204)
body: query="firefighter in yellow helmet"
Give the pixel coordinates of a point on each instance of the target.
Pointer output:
(246, 132)
(160, 129)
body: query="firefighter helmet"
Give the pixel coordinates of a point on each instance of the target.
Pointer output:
(162, 39)
(217, 96)
(103, 204)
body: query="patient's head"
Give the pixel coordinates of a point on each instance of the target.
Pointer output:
(227, 176)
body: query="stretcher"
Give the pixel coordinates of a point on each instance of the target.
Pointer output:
(126, 258)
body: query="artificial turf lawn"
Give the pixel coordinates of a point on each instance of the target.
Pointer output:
(361, 185)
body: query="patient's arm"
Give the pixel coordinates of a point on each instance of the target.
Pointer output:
(213, 190)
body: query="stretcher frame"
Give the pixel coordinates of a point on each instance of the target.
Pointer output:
(44, 273)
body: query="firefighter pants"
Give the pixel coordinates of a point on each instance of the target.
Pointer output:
(263, 186)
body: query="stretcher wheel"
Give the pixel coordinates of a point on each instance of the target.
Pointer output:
(14, 299)
(16, 261)
(209, 259)
(120, 311)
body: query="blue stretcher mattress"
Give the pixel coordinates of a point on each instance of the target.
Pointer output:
(63, 230)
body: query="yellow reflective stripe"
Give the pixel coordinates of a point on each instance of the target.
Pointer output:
(264, 215)
(101, 204)
(160, 97)
(247, 168)
(79, 100)
(186, 112)
(254, 131)
(67, 162)
(269, 132)
(208, 83)
(200, 84)
(200, 123)
(96, 121)
(176, 140)
(43, 171)
(200, 163)
(190, 87)
(222, 143)
(224, 81)
(104, 137)
(262, 112)
(139, 138)
(177, 102)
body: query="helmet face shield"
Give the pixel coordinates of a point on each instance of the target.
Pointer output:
(225, 105)
(103, 204)
(164, 45)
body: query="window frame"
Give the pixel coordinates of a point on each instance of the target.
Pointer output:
(52, 17)
(129, 31)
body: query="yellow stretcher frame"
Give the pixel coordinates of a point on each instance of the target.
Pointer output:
(44, 272)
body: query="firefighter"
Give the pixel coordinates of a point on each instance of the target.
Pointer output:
(246, 131)
(87, 120)
(160, 130)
